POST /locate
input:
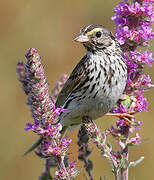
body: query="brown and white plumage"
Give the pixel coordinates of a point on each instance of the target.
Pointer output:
(97, 81)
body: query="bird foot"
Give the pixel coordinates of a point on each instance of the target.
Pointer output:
(125, 116)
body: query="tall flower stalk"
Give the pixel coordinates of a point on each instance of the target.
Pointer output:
(133, 20)
(52, 147)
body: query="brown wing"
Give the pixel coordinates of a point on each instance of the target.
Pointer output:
(76, 78)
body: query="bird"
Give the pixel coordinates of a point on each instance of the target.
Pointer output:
(97, 81)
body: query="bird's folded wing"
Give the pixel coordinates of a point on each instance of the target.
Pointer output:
(75, 80)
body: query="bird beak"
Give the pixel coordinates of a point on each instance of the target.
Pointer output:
(81, 38)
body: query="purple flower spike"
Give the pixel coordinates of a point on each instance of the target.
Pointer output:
(59, 85)
(133, 20)
(45, 114)
(38, 98)
(21, 71)
(133, 30)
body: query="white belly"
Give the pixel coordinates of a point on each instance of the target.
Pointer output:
(95, 102)
(92, 107)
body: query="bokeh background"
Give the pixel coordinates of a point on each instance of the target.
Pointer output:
(49, 26)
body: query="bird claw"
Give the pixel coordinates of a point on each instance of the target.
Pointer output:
(125, 116)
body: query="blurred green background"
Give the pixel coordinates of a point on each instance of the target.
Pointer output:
(49, 26)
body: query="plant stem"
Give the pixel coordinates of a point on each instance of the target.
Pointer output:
(116, 175)
(125, 153)
(46, 174)
(47, 165)
(124, 171)
(84, 151)
(88, 171)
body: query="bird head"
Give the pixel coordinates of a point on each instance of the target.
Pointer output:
(95, 37)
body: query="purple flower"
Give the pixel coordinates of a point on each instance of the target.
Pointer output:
(57, 111)
(69, 172)
(141, 104)
(142, 58)
(35, 127)
(131, 22)
(122, 34)
(55, 147)
(53, 131)
(135, 140)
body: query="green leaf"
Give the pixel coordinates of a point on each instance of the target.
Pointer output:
(127, 102)
(35, 145)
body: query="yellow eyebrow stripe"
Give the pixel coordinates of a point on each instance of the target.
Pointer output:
(94, 30)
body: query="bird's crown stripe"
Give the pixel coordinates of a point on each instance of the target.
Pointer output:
(94, 30)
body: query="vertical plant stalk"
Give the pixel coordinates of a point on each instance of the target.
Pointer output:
(47, 166)
(124, 171)
(99, 139)
(133, 24)
(46, 174)
(84, 151)
(116, 175)
(45, 114)
(86, 162)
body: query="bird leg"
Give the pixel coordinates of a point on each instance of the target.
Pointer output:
(125, 116)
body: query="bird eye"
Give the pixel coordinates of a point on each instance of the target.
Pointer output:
(98, 34)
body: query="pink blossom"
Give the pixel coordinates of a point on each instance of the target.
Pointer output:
(131, 22)
(69, 172)
(135, 140)
(142, 58)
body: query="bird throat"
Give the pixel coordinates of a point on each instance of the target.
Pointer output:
(97, 49)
